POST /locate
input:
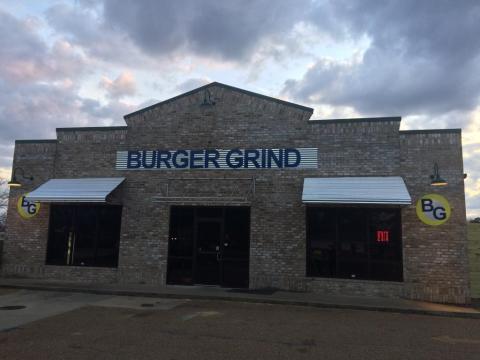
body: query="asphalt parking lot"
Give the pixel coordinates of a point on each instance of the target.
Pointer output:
(61, 325)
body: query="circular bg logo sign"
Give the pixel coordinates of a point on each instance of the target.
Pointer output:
(27, 209)
(433, 209)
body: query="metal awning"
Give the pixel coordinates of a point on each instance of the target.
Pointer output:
(86, 190)
(390, 190)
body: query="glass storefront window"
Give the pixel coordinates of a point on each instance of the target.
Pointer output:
(354, 243)
(84, 235)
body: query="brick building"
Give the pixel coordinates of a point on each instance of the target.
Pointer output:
(222, 186)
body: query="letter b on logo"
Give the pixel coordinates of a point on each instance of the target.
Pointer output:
(427, 205)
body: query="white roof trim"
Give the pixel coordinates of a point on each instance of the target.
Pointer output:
(86, 190)
(388, 190)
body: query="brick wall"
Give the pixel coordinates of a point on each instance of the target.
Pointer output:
(25, 246)
(435, 257)
(373, 147)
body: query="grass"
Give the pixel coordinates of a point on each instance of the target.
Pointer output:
(474, 258)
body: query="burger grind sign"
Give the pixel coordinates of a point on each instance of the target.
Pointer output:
(217, 159)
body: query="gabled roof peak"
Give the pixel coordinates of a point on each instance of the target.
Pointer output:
(225, 86)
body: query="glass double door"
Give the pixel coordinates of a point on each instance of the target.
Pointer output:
(209, 245)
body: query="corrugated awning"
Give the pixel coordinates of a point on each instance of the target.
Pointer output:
(85, 190)
(389, 190)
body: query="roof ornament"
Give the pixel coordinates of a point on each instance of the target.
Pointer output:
(207, 98)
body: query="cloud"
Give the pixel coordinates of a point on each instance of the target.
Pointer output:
(420, 28)
(191, 84)
(422, 62)
(123, 85)
(39, 87)
(6, 155)
(423, 59)
(5, 173)
(229, 30)
(83, 25)
(25, 57)
(418, 59)
(471, 155)
(35, 110)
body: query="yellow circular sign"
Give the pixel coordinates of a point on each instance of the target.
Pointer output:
(433, 209)
(27, 209)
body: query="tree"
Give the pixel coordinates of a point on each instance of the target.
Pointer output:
(3, 203)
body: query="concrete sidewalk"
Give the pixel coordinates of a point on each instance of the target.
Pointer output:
(269, 296)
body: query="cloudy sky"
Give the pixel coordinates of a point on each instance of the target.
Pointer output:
(89, 62)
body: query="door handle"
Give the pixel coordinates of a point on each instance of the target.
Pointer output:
(69, 247)
(73, 246)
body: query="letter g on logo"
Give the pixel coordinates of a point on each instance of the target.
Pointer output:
(433, 209)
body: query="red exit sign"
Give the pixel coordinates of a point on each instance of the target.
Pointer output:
(383, 236)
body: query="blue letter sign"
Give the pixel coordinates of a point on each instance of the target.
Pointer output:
(286, 158)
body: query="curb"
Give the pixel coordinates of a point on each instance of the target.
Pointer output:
(258, 300)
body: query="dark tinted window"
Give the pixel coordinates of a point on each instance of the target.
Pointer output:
(355, 243)
(352, 254)
(181, 232)
(236, 247)
(180, 247)
(60, 240)
(84, 235)
(237, 233)
(321, 233)
(110, 219)
(385, 245)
